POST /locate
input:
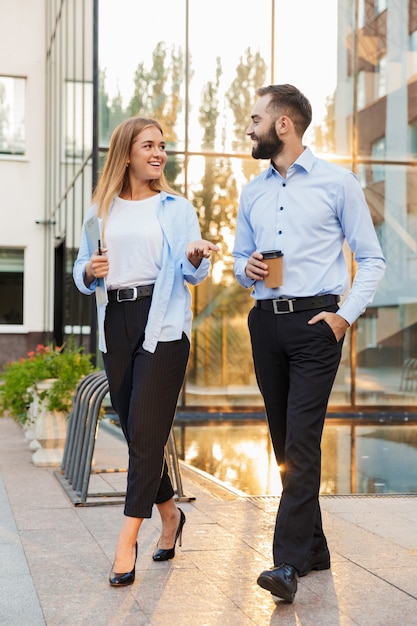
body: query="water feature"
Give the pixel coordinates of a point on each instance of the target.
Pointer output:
(359, 456)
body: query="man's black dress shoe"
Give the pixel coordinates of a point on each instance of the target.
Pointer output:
(163, 555)
(128, 578)
(317, 560)
(280, 581)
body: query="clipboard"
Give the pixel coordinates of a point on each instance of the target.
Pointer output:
(92, 229)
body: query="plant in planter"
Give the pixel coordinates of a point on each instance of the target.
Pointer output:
(37, 392)
(21, 380)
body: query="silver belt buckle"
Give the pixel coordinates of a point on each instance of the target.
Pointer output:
(275, 307)
(134, 297)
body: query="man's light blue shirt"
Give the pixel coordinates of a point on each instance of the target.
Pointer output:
(308, 215)
(170, 313)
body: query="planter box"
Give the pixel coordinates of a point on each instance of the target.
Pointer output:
(49, 430)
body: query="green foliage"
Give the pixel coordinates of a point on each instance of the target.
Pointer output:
(324, 133)
(19, 379)
(241, 96)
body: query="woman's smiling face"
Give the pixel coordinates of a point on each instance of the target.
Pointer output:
(148, 157)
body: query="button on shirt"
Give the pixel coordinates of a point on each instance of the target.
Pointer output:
(308, 215)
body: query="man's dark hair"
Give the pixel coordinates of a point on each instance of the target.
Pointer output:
(288, 100)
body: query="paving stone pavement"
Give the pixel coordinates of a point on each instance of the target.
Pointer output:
(56, 557)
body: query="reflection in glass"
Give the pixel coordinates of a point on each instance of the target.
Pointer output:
(78, 126)
(387, 333)
(231, 72)
(187, 73)
(221, 368)
(12, 115)
(143, 71)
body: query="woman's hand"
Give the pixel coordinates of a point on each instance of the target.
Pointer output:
(97, 267)
(200, 249)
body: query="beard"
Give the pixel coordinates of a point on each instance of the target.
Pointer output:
(268, 145)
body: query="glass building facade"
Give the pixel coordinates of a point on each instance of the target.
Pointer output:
(195, 67)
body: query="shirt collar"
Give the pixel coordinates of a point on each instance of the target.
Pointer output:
(304, 161)
(165, 194)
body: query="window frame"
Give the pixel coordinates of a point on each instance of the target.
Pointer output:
(22, 111)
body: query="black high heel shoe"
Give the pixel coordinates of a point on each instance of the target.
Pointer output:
(164, 555)
(122, 580)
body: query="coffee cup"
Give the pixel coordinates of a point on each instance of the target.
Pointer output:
(274, 261)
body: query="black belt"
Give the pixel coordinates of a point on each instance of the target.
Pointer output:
(129, 294)
(295, 305)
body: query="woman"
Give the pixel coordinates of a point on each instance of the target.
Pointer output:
(152, 247)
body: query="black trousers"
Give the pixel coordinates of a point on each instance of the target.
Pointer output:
(295, 366)
(144, 389)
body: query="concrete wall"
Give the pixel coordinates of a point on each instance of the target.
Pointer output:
(22, 179)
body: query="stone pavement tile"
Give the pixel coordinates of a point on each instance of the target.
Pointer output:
(12, 557)
(369, 514)
(189, 588)
(213, 618)
(404, 578)
(8, 527)
(3, 495)
(56, 519)
(311, 607)
(384, 611)
(16, 582)
(95, 607)
(224, 565)
(328, 619)
(68, 546)
(19, 603)
(366, 598)
(29, 487)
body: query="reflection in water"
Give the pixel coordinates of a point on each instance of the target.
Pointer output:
(355, 458)
(239, 455)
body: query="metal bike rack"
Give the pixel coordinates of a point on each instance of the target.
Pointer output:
(76, 467)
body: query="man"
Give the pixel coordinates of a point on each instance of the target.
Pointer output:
(306, 208)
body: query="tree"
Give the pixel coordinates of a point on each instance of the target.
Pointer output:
(250, 75)
(157, 95)
(324, 134)
(216, 200)
(103, 108)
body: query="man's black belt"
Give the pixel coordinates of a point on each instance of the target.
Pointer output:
(129, 294)
(294, 305)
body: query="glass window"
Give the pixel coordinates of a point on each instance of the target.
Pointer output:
(381, 77)
(146, 74)
(361, 13)
(386, 336)
(203, 89)
(378, 152)
(12, 115)
(361, 97)
(412, 42)
(221, 370)
(380, 5)
(78, 119)
(11, 286)
(412, 137)
(77, 305)
(412, 54)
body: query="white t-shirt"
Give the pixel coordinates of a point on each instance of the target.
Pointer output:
(133, 237)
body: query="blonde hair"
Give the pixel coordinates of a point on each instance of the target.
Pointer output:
(114, 176)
